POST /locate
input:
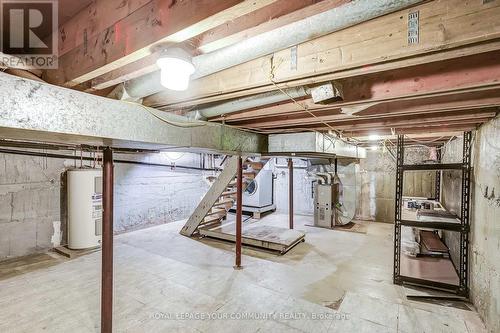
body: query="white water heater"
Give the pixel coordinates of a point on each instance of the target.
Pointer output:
(84, 208)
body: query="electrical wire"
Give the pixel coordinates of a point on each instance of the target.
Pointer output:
(306, 109)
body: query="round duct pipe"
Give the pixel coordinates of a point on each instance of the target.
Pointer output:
(247, 103)
(338, 18)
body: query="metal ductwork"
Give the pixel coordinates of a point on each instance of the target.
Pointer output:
(312, 143)
(314, 177)
(326, 176)
(249, 102)
(352, 13)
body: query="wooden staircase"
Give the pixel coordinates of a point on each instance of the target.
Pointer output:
(221, 196)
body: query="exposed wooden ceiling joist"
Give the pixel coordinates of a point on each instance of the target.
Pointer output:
(451, 77)
(453, 104)
(430, 131)
(275, 15)
(132, 37)
(88, 23)
(448, 29)
(414, 122)
(448, 80)
(345, 122)
(420, 128)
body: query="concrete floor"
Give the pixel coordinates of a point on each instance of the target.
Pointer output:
(336, 281)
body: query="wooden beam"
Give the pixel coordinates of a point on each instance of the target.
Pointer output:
(127, 72)
(409, 127)
(95, 18)
(453, 104)
(473, 98)
(462, 51)
(448, 29)
(340, 121)
(273, 16)
(419, 122)
(436, 79)
(431, 131)
(134, 37)
(443, 137)
(434, 131)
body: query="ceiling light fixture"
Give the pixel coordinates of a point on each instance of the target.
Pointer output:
(374, 137)
(176, 69)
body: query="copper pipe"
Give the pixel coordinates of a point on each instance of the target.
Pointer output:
(290, 192)
(239, 211)
(107, 243)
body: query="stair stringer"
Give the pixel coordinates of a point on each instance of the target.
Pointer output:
(213, 194)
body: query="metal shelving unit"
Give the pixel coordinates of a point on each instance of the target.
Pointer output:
(461, 226)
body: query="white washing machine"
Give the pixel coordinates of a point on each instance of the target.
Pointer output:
(259, 193)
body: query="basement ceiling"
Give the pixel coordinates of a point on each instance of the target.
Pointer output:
(69, 8)
(439, 85)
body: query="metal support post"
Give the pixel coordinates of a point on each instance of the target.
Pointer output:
(239, 199)
(290, 192)
(107, 244)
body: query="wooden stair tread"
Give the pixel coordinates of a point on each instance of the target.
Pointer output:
(221, 212)
(223, 203)
(211, 219)
(211, 224)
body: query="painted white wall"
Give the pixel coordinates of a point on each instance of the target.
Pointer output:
(32, 197)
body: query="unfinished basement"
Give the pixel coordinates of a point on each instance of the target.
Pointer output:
(250, 166)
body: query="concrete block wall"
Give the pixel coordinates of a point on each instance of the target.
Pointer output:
(29, 203)
(146, 195)
(451, 194)
(484, 250)
(369, 187)
(32, 198)
(302, 200)
(378, 183)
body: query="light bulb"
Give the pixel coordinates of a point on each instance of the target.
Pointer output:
(176, 70)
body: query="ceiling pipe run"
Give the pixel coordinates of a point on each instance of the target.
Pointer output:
(248, 102)
(327, 176)
(352, 13)
(23, 73)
